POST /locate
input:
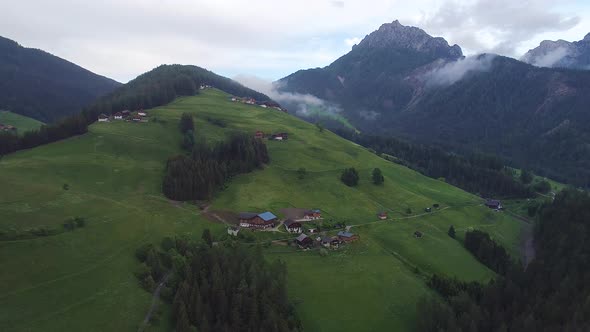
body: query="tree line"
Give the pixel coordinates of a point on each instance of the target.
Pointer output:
(487, 251)
(226, 287)
(68, 127)
(476, 173)
(233, 289)
(551, 294)
(207, 168)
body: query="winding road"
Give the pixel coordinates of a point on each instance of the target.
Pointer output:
(155, 300)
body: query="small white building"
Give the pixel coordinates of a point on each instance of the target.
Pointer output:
(233, 230)
(118, 116)
(142, 113)
(263, 106)
(103, 118)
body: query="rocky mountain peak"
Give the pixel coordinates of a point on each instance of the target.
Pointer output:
(561, 53)
(396, 35)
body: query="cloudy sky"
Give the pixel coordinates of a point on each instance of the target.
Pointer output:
(270, 38)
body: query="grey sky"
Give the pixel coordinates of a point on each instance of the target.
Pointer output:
(122, 39)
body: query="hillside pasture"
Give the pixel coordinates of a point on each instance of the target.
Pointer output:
(21, 122)
(83, 279)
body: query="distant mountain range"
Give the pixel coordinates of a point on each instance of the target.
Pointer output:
(45, 87)
(399, 81)
(561, 54)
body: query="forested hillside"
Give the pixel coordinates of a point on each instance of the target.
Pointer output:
(550, 295)
(164, 83)
(44, 87)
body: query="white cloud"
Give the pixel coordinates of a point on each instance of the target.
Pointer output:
(301, 102)
(453, 72)
(123, 38)
(549, 59)
(498, 26)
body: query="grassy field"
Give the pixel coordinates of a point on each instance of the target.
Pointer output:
(83, 280)
(21, 122)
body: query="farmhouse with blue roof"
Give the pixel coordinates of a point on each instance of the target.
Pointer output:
(257, 220)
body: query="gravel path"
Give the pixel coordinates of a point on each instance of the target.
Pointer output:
(155, 300)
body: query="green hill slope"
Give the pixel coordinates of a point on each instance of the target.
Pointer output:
(83, 280)
(21, 122)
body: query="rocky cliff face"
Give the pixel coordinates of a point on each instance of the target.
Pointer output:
(395, 35)
(561, 54)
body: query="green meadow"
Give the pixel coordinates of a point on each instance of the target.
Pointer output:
(83, 279)
(21, 122)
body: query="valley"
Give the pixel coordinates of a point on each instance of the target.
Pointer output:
(112, 176)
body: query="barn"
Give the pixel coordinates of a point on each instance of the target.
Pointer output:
(304, 241)
(494, 204)
(347, 236)
(257, 220)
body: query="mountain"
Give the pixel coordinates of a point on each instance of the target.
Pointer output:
(561, 54)
(401, 82)
(45, 87)
(373, 75)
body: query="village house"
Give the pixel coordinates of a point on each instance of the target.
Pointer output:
(347, 237)
(293, 226)
(312, 214)
(493, 204)
(142, 113)
(330, 242)
(136, 118)
(4, 127)
(257, 220)
(126, 113)
(232, 230)
(103, 118)
(304, 241)
(382, 215)
(259, 134)
(118, 116)
(279, 136)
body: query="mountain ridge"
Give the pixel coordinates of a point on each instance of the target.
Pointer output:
(487, 103)
(40, 85)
